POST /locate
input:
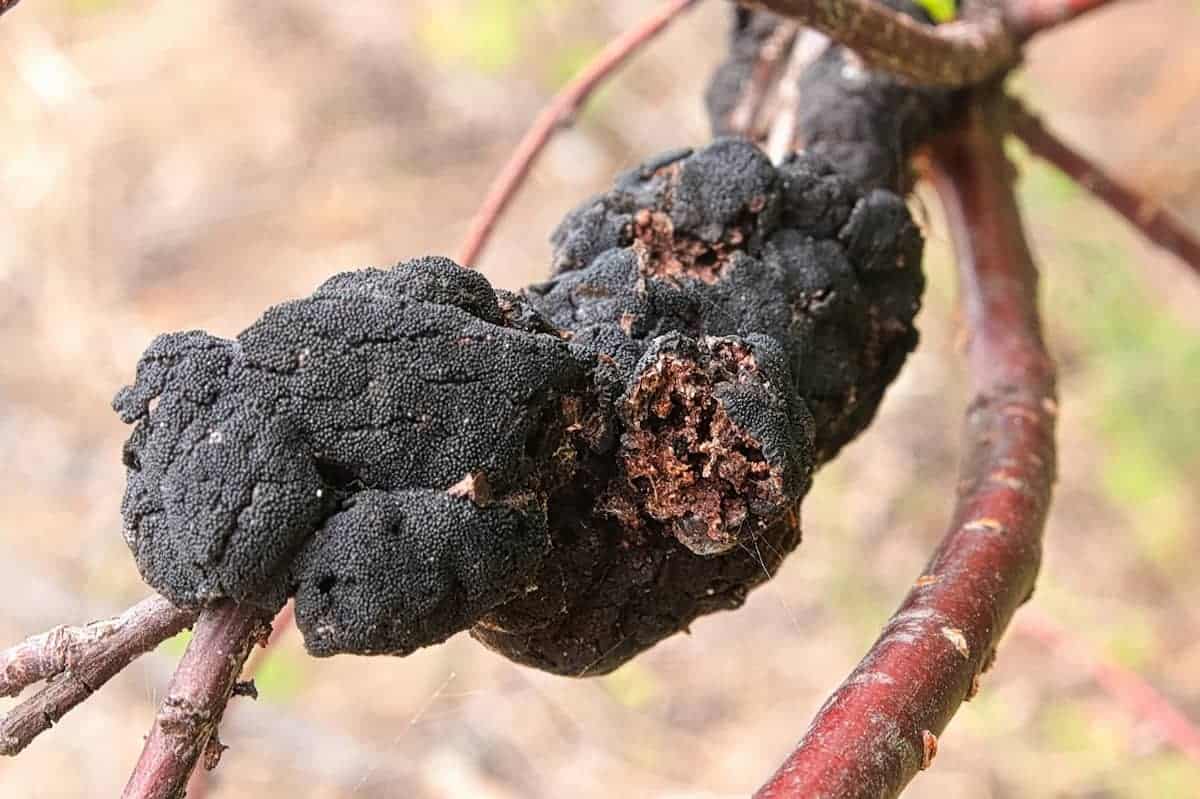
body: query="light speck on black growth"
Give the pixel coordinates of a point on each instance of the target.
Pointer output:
(573, 472)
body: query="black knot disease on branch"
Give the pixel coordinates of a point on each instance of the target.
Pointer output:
(573, 472)
(249, 454)
(865, 122)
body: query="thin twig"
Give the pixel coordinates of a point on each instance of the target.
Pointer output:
(284, 621)
(1028, 17)
(954, 55)
(561, 109)
(769, 60)
(881, 726)
(77, 661)
(189, 715)
(807, 49)
(1146, 214)
(6, 5)
(47, 654)
(1126, 687)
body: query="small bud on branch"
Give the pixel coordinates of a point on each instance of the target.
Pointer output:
(195, 700)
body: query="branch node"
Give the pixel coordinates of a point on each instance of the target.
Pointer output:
(246, 688)
(212, 753)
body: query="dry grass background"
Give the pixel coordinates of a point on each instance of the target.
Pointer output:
(170, 165)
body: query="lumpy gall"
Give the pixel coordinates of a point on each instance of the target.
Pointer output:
(572, 472)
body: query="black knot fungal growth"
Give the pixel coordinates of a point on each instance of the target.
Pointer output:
(383, 381)
(799, 263)
(393, 571)
(863, 121)
(573, 472)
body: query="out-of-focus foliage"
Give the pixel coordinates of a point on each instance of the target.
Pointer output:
(280, 676)
(176, 644)
(632, 685)
(940, 10)
(1145, 366)
(487, 35)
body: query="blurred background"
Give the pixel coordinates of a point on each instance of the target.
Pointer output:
(174, 165)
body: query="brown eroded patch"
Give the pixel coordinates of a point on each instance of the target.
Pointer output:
(665, 253)
(686, 463)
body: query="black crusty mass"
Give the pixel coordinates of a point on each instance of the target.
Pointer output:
(572, 472)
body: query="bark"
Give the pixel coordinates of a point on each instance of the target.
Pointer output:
(954, 55)
(188, 717)
(881, 726)
(77, 661)
(1025, 18)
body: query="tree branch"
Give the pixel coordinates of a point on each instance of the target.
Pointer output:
(558, 112)
(47, 654)
(1146, 214)
(881, 726)
(7, 5)
(77, 661)
(196, 698)
(1025, 18)
(953, 55)
(285, 620)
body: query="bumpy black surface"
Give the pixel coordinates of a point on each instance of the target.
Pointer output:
(572, 473)
(397, 570)
(390, 380)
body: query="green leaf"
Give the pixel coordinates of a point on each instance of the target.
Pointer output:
(940, 10)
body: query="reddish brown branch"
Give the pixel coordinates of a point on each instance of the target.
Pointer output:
(195, 700)
(1127, 688)
(559, 112)
(957, 54)
(881, 725)
(5, 5)
(77, 661)
(1028, 17)
(284, 620)
(1154, 222)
